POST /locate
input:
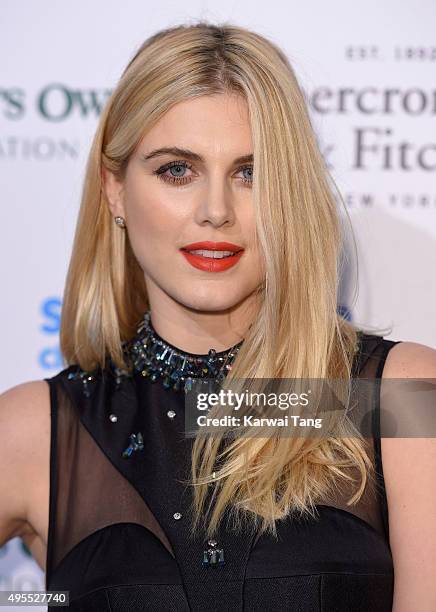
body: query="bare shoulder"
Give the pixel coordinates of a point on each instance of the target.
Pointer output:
(25, 412)
(409, 468)
(24, 455)
(410, 360)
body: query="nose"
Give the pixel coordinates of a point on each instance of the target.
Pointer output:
(216, 206)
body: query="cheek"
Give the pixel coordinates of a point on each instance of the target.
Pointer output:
(152, 217)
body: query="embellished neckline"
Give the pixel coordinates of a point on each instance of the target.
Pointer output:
(155, 358)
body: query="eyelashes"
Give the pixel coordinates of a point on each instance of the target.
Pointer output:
(162, 175)
(181, 180)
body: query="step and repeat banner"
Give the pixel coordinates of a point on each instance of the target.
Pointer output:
(368, 73)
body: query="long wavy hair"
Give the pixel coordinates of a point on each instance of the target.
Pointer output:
(297, 333)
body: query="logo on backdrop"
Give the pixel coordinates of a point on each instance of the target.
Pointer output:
(50, 357)
(386, 129)
(55, 102)
(345, 312)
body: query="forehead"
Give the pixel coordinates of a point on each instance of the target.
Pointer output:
(210, 125)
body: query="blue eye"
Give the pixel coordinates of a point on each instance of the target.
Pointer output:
(180, 167)
(250, 169)
(171, 178)
(177, 168)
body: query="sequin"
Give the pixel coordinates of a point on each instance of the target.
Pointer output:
(213, 556)
(85, 377)
(136, 443)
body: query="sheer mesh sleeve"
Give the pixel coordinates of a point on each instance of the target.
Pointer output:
(87, 492)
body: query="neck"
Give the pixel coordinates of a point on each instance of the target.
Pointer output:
(197, 331)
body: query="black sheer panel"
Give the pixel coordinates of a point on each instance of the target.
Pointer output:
(372, 369)
(90, 492)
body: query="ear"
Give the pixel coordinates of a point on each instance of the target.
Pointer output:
(113, 190)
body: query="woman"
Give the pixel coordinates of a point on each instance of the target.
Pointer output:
(186, 265)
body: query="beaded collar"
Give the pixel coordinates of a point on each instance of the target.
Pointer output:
(154, 358)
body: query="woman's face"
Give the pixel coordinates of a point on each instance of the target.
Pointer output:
(200, 193)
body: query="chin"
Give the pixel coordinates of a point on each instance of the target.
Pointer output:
(211, 302)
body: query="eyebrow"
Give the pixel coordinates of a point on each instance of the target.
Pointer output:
(178, 152)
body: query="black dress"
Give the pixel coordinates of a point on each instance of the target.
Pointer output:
(118, 527)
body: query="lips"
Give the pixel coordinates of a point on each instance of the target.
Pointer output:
(203, 261)
(213, 246)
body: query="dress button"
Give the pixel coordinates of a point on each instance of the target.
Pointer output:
(113, 418)
(171, 414)
(177, 515)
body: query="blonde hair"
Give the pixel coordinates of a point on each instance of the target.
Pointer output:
(298, 332)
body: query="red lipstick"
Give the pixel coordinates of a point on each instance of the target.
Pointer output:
(209, 263)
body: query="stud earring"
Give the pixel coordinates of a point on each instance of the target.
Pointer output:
(120, 221)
